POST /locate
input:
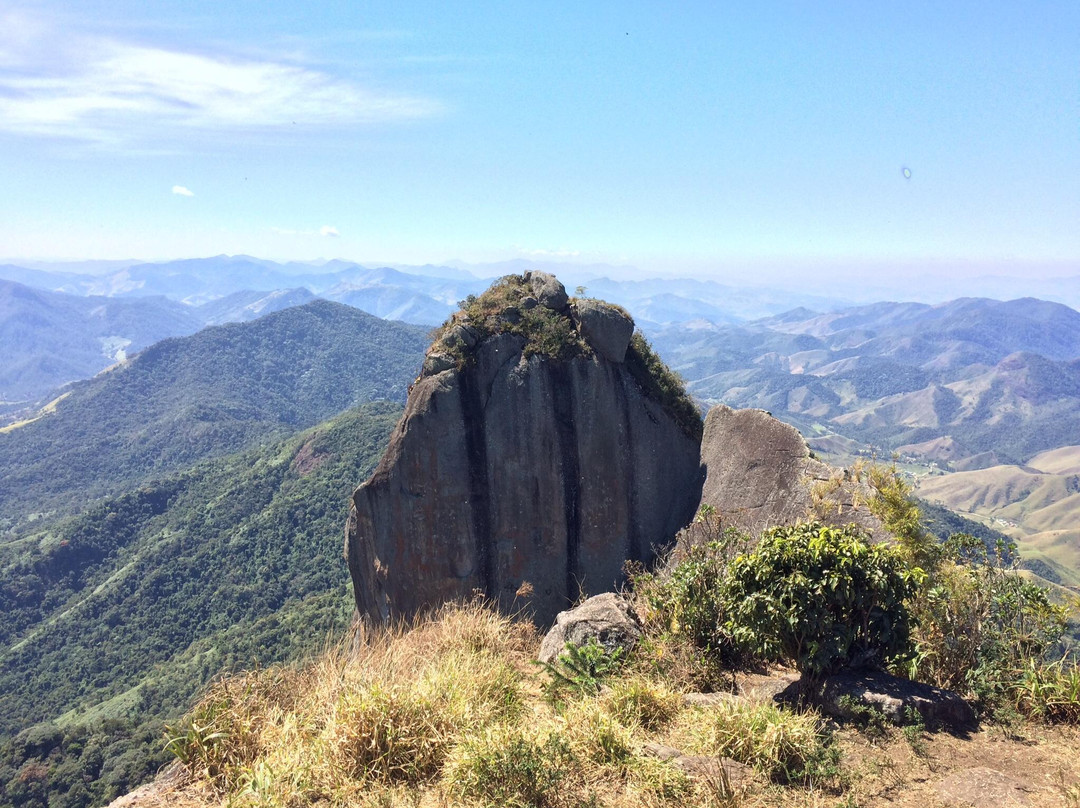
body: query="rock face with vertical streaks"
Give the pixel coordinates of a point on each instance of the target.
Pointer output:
(528, 465)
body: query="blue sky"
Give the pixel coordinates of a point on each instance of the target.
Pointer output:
(693, 137)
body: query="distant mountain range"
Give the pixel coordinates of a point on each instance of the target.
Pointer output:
(50, 338)
(60, 325)
(948, 382)
(1037, 502)
(181, 513)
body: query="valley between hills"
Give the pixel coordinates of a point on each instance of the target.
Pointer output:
(179, 443)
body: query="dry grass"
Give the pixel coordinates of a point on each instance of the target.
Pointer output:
(454, 712)
(344, 728)
(782, 744)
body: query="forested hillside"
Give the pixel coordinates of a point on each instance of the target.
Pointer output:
(215, 392)
(115, 618)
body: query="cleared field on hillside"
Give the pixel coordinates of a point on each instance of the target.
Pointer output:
(1038, 505)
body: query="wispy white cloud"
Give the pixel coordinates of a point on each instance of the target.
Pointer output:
(180, 190)
(107, 91)
(327, 230)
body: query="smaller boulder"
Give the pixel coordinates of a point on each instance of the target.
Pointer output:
(606, 328)
(606, 618)
(776, 687)
(709, 699)
(157, 792)
(548, 290)
(437, 363)
(894, 698)
(511, 315)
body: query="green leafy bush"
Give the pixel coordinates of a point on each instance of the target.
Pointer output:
(687, 601)
(820, 598)
(817, 597)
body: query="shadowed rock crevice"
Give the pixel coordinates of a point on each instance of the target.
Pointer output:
(476, 463)
(571, 468)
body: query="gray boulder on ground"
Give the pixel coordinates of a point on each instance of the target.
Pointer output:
(893, 697)
(460, 335)
(607, 619)
(437, 363)
(717, 769)
(605, 327)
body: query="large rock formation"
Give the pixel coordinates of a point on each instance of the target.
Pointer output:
(760, 473)
(529, 464)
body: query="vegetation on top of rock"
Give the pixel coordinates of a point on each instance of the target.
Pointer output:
(663, 384)
(535, 307)
(511, 306)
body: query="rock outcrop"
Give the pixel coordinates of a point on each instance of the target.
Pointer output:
(760, 473)
(608, 619)
(530, 463)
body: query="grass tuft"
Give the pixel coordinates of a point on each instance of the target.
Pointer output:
(506, 767)
(782, 744)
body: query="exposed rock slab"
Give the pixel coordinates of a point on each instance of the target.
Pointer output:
(755, 688)
(736, 775)
(771, 687)
(164, 790)
(894, 698)
(514, 471)
(760, 474)
(607, 619)
(982, 787)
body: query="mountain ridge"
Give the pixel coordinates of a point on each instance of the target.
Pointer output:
(216, 391)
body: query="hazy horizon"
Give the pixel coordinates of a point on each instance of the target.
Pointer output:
(924, 282)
